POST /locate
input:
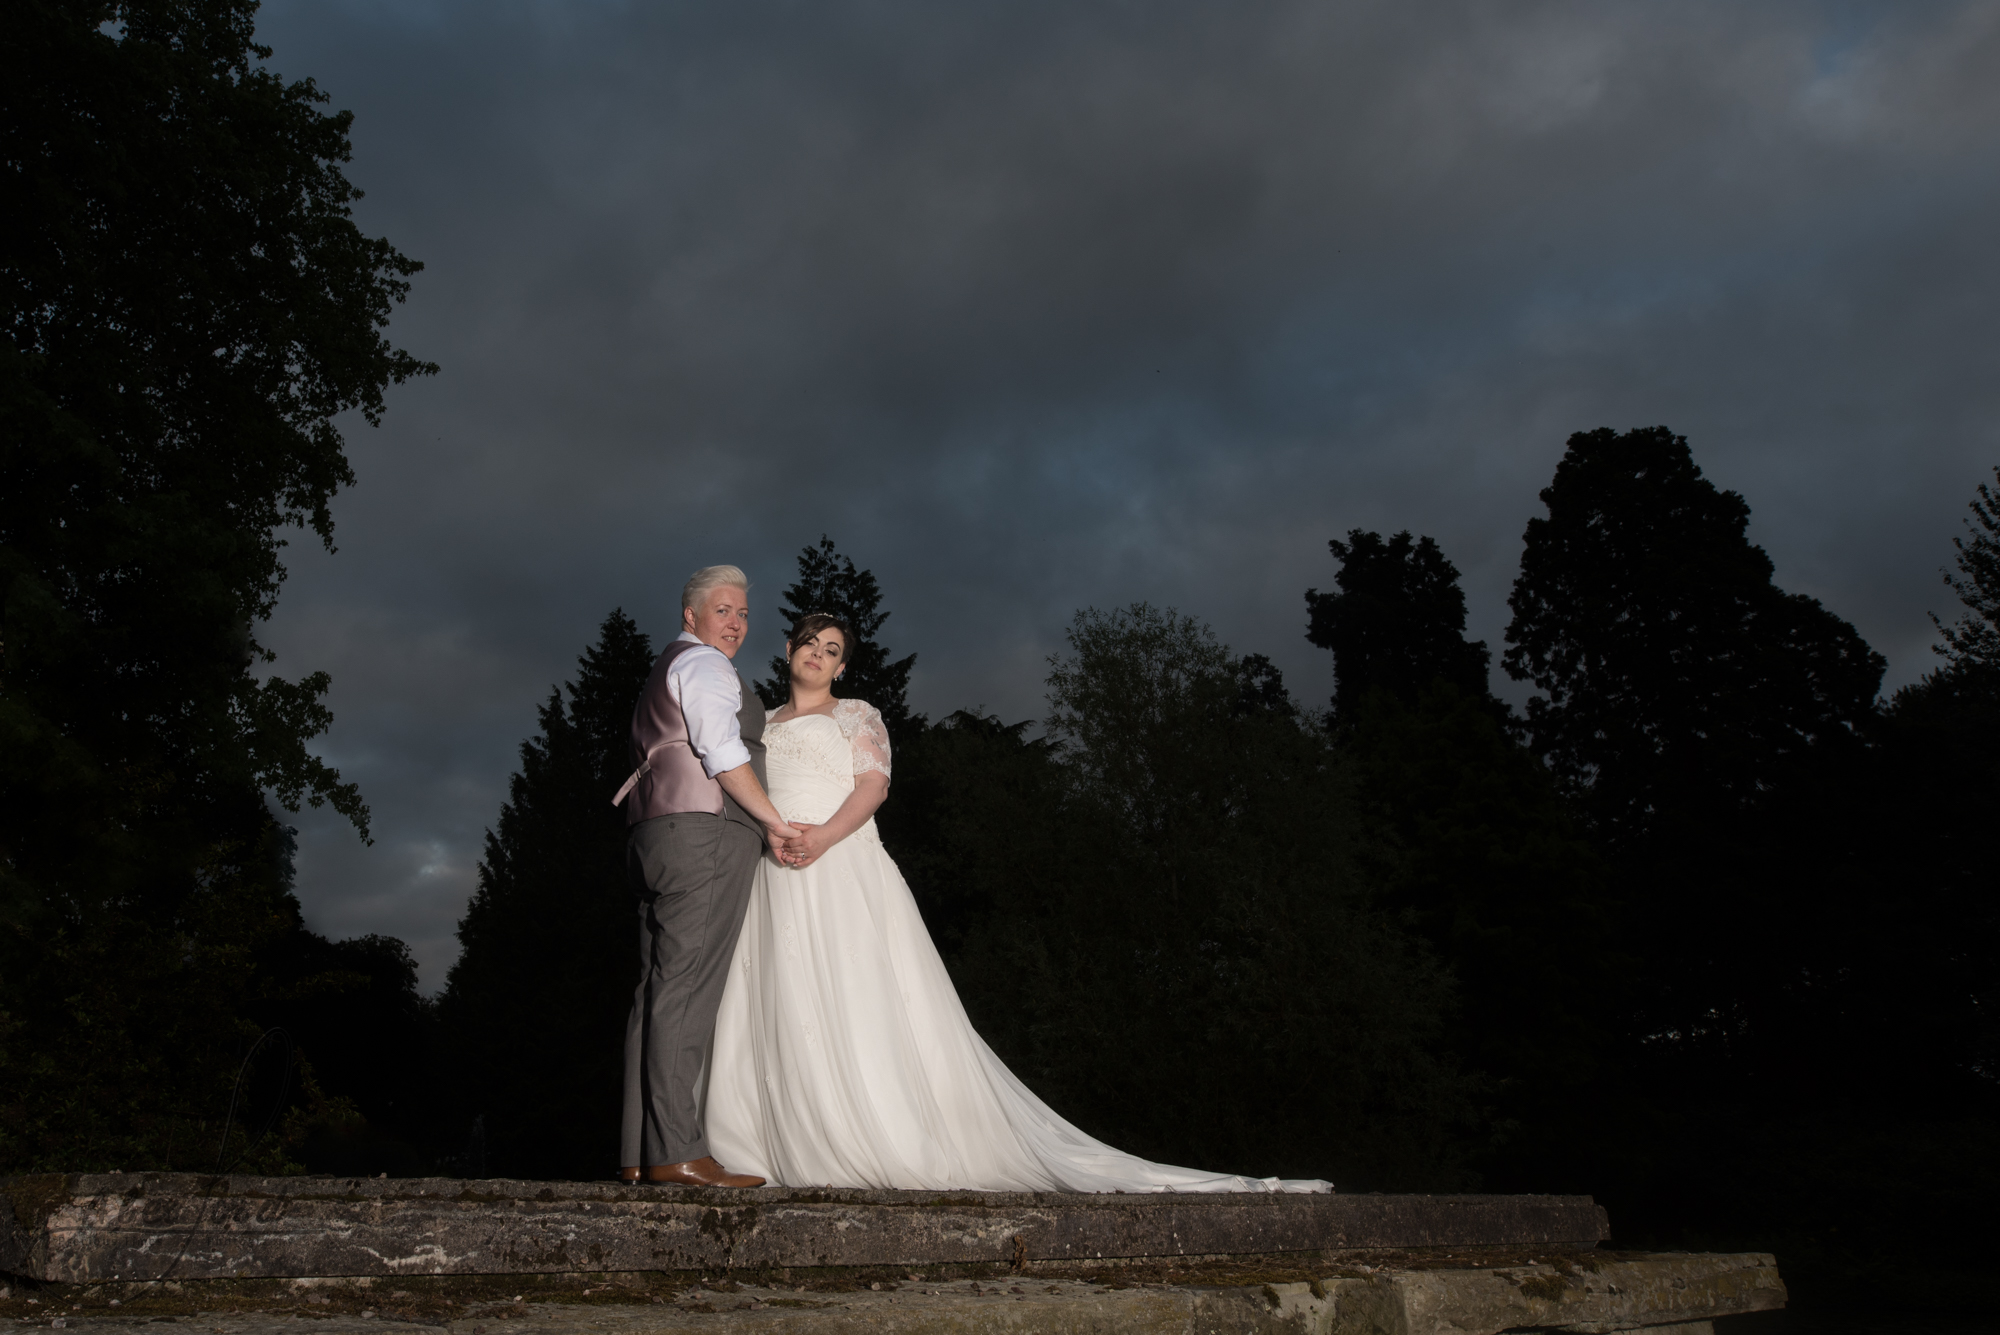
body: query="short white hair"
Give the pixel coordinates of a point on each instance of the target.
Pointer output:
(706, 580)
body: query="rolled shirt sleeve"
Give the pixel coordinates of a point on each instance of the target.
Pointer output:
(710, 693)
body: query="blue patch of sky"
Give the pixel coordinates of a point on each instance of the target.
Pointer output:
(1846, 27)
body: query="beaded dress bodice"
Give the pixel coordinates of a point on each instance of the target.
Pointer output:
(812, 760)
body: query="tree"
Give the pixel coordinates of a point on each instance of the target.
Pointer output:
(1678, 682)
(1804, 993)
(1397, 624)
(534, 1010)
(1695, 711)
(188, 307)
(1468, 840)
(829, 582)
(957, 783)
(1158, 923)
(363, 1030)
(1975, 637)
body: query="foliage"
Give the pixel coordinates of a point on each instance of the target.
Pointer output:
(1690, 707)
(122, 1033)
(1974, 639)
(1678, 682)
(1933, 786)
(1802, 885)
(534, 1010)
(1473, 845)
(958, 784)
(1851, 1113)
(360, 1027)
(1470, 842)
(1397, 623)
(187, 308)
(1155, 918)
(829, 582)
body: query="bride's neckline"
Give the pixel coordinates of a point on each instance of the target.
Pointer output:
(811, 713)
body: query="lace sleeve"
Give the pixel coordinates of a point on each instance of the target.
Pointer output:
(861, 723)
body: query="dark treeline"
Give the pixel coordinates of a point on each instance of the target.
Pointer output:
(1706, 929)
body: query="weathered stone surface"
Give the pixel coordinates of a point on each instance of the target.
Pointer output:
(1664, 1295)
(95, 1227)
(1588, 1299)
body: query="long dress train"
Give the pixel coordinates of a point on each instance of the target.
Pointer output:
(842, 1055)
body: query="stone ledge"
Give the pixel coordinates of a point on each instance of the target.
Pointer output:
(1659, 1294)
(92, 1228)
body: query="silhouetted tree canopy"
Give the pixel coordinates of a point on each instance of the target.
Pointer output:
(829, 582)
(534, 1010)
(187, 308)
(1472, 843)
(1676, 679)
(365, 1033)
(957, 783)
(1693, 710)
(1469, 841)
(1802, 1050)
(1397, 623)
(1156, 917)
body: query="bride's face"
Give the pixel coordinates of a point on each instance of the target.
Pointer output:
(819, 661)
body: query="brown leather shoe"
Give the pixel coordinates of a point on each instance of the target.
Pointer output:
(702, 1172)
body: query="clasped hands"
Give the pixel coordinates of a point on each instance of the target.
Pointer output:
(801, 848)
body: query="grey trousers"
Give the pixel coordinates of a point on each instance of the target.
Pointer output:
(692, 873)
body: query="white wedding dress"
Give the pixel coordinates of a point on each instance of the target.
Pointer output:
(842, 1055)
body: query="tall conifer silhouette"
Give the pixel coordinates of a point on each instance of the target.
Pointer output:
(1974, 639)
(829, 582)
(534, 1010)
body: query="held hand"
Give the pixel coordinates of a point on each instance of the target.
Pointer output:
(806, 849)
(780, 847)
(779, 835)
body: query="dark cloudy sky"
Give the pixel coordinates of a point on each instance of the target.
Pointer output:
(1039, 306)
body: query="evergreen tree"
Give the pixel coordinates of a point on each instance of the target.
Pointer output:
(534, 1010)
(1975, 638)
(1927, 991)
(187, 308)
(1397, 624)
(829, 582)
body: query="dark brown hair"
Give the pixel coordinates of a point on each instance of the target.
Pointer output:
(812, 623)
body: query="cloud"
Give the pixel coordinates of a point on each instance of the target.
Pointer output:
(1035, 306)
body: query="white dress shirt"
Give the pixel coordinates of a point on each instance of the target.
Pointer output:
(704, 684)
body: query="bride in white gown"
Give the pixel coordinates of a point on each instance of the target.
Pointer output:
(842, 1056)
